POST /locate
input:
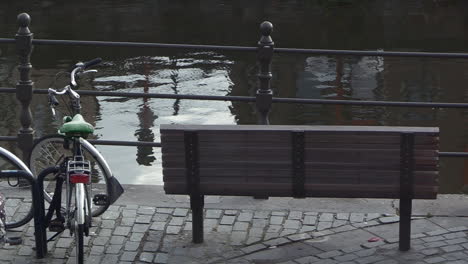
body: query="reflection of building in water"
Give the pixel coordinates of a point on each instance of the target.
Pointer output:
(146, 118)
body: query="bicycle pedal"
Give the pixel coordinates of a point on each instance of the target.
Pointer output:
(13, 241)
(56, 226)
(100, 199)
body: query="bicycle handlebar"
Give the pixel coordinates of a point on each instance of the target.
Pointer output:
(92, 62)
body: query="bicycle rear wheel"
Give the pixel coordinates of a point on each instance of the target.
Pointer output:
(18, 209)
(50, 151)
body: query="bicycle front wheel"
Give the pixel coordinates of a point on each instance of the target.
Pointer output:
(18, 193)
(50, 151)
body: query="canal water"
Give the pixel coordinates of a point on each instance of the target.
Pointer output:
(397, 25)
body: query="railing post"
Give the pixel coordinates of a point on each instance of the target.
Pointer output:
(264, 93)
(24, 87)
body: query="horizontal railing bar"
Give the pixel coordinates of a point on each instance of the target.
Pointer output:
(8, 138)
(139, 45)
(374, 53)
(244, 48)
(369, 103)
(158, 145)
(453, 154)
(7, 40)
(252, 99)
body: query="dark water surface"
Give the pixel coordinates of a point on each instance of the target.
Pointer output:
(415, 25)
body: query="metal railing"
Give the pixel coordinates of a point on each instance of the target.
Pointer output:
(263, 98)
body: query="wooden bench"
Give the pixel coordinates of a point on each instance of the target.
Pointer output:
(301, 161)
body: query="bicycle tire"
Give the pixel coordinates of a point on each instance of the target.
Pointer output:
(21, 218)
(80, 219)
(49, 151)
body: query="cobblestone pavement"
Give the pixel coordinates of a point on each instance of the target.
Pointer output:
(145, 234)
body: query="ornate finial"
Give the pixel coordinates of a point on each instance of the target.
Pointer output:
(266, 28)
(24, 20)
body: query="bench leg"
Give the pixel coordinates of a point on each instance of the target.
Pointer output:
(405, 224)
(196, 204)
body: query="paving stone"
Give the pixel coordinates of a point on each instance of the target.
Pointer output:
(25, 251)
(113, 249)
(117, 240)
(430, 251)
(434, 260)
(110, 259)
(306, 260)
(253, 248)
(433, 238)
(387, 261)
(100, 241)
(177, 221)
(240, 226)
(60, 253)
(252, 240)
(455, 255)
(344, 228)
(227, 229)
(346, 257)
(276, 220)
(212, 213)
(437, 232)
(326, 217)
(227, 220)
(140, 228)
(456, 241)
(256, 231)
(324, 225)
(309, 220)
(151, 246)
(245, 217)
(292, 224)
(122, 231)
(128, 256)
(369, 259)
(372, 216)
(373, 244)
(261, 214)
(237, 237)
(182, 212)
(452, 248)
(164, 210)
(158, 226)
(342, 216)
(279, 213)
(144, 210)
(287, 232)
(338, 223)
(143, 219)
(274, 228)
(129, 213)
(365, 253)
(271, 235)
(356, 217)
(110, 215)
(107, 224)
(329, 254)
(127, 221)
(307, 228)
(64, 242)
(458, 228)
(455, 235)
(160, 217)
(351, 249)
(132, 245)
(210, 224)
(435, 244)
(146, 257)
(259, 223)
(173, 230)
(295, 215)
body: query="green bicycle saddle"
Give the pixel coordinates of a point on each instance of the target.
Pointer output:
(77, 127)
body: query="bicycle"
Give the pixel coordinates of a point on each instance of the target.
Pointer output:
(11, 167)
(79, 168)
